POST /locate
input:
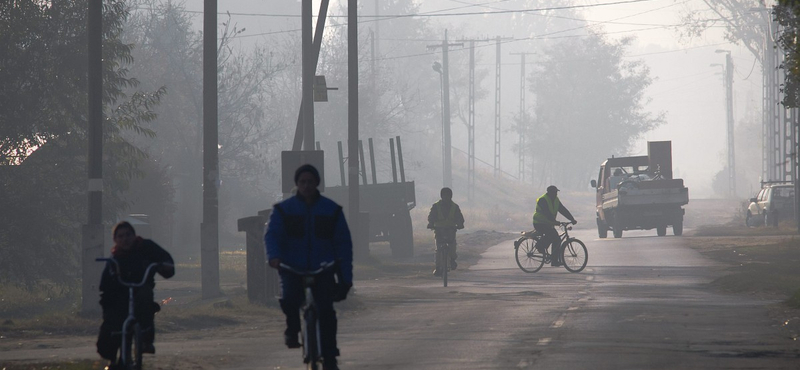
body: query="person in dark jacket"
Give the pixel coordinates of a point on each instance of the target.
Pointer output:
(305, 231)
(445, 218)
(133, 254)
(544, 221)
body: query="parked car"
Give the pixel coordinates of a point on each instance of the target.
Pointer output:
(774, 203)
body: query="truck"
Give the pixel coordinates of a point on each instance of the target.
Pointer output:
(639, 193)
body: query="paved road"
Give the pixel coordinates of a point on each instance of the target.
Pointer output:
(642, 303)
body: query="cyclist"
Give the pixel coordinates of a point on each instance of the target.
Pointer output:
(133, 254)
(544, 221)
(444, 218)
(305, 231)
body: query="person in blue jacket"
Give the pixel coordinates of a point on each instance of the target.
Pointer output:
(303, 232)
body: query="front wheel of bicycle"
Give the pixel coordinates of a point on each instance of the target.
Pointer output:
(575, 255)
(311, 353)
(529, 259)
(137, 347)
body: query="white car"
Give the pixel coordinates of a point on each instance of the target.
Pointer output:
(774, 203)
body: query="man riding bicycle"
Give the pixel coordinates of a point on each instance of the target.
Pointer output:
(305, 231)
(544, 221)
(445, 218)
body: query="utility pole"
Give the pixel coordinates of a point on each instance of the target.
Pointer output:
(497, 115)
(362, 246)
(730, 126)
(523, 120)
(92, 232)
(471, 121)
(209, 229)
(447, 155)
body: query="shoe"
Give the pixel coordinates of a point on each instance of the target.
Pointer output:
(436, 272)
(556, 264)
(148, 348)
(113, 366)
(291, 341)
(453, 265)
(330, 365)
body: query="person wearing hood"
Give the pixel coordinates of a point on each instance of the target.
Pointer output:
(133, 255)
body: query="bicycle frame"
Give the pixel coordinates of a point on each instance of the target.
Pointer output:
(311, 354)
(131, 319)
(443, 254)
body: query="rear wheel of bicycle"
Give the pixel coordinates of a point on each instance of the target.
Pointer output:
(137, 347)
(575, 255)
(310, 351)
(529, 259)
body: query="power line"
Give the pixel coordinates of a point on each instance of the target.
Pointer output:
(434, 14)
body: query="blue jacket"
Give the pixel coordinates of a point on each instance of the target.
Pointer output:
(304, 236)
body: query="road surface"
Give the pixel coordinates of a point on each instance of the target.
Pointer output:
(643, 302)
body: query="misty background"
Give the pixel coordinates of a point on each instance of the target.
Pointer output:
(601, 79)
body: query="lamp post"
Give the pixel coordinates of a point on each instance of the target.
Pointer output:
(728, 78)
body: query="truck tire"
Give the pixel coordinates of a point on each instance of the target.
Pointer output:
(677, 228)
(401, 235)
(661, 230)
(617, 227)
(602, 229)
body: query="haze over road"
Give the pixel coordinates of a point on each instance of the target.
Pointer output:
(642, 303)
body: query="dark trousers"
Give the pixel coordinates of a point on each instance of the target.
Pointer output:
(293, 297)
(549, 236)
(110, 338)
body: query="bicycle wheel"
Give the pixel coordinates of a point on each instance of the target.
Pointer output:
(444, 260)
(125, 350)
(575, 255)
(137, 347)
(310, 338)
(529, 259)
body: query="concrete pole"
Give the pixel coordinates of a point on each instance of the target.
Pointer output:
(448, 149)
(92, 232)
(730, 125)
(361, 244)
(209, 229)
(308, 77)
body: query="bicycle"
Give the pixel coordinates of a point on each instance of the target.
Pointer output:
(447, 238)
(312, 344)
(131, 348)
(530, 260)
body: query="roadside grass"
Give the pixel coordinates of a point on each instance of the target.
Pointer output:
(763, 261)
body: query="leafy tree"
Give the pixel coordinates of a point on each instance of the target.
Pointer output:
(43, 132)
(589, 103)
(251, 121)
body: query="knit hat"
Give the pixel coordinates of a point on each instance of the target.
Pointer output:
(306, 168)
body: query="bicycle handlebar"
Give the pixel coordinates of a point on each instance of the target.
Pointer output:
(130, 284)
(326, 266)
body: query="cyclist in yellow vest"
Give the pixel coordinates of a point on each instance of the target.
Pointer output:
(544, 221)
(445, 218)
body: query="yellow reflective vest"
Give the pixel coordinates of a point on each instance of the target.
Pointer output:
(540, 217)
(443, 220)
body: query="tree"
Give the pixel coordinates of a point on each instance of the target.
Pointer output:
(589, 103)
(43, 128)
(168, 53)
